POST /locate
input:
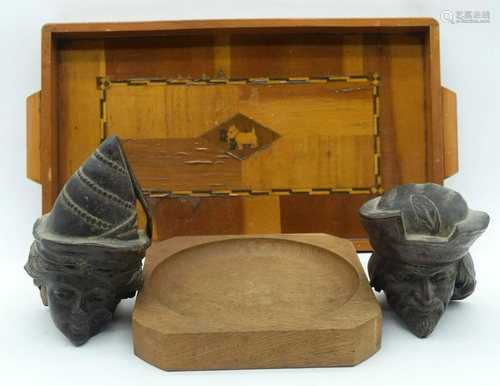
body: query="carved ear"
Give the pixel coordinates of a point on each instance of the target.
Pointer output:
(375, 271)
(465, 282)
(43, 295)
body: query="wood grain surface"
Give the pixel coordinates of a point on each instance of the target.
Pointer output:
(48, 121)
(33, 140)
(308, 136)
(403, 53)
(450, 132)
(78, 109)
(226, 302)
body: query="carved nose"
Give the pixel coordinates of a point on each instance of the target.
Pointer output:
(427, 294)
(80, 306)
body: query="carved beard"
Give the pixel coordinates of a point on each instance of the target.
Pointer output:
(422, 325)
(421, 319)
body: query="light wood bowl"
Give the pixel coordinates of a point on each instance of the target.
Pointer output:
(232, 302)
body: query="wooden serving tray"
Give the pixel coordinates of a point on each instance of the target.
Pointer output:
(241, 302)
(248, 126)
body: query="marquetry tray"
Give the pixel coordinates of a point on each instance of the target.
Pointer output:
(248, 126)
(240, 302)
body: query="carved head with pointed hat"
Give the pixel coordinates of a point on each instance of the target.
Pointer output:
(421, 235)
(88, 251)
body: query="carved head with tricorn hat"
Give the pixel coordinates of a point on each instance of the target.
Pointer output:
(421, 235)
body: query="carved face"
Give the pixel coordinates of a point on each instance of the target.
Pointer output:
(80, 305)
(419, 294)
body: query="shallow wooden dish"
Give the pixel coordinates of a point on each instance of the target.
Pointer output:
(235, 302)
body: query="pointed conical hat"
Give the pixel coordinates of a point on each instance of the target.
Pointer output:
(96, 209)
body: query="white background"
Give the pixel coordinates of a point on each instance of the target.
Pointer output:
(464, 348)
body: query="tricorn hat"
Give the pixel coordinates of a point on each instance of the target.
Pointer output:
(96, 211)
(422, 224)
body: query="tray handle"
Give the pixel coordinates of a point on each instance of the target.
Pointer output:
(33, 156)
(449, 102)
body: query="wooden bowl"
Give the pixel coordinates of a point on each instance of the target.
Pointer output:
(230, 302)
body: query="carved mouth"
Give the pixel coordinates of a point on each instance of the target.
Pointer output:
(414, 307)
(425, 310)
(77, 329)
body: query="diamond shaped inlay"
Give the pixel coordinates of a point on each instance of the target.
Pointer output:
(241, 136)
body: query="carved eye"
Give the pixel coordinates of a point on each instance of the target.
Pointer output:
(442, 277)
(404, 277)
(95, 298)
(64, 294)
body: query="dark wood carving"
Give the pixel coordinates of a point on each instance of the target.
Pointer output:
(421, 235)
(87, 252)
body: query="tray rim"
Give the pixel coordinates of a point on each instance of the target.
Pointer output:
(150, 28)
